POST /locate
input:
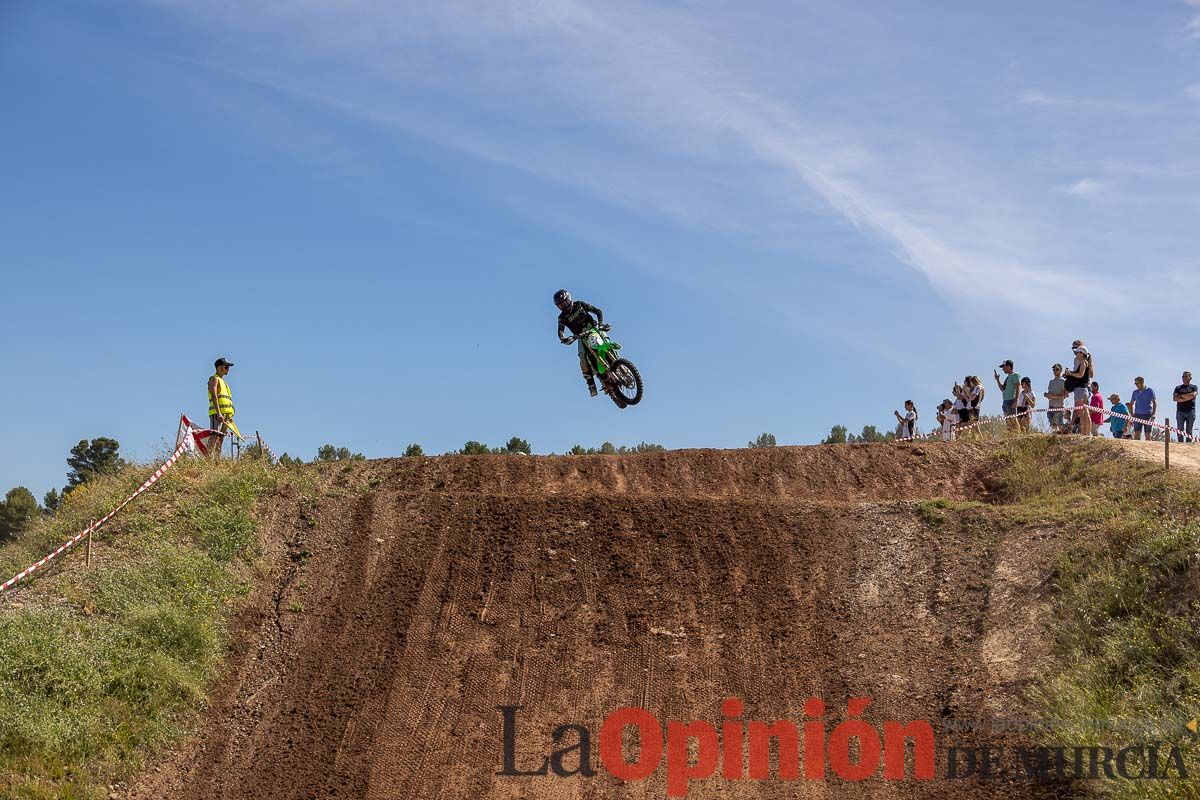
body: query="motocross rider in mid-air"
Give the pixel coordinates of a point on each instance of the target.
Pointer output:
(577, 315)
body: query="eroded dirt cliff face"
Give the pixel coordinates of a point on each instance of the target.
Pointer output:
(417, 596)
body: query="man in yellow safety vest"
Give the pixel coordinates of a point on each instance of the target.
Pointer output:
(220, 404)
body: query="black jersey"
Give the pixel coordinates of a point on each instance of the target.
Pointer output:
(579, 318)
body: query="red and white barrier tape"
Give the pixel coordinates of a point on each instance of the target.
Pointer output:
(267, 448)
(1151, 423)
(153, 479)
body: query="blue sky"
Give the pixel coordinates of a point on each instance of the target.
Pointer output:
(795, 213)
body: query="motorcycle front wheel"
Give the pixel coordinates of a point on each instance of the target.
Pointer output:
(626, 383)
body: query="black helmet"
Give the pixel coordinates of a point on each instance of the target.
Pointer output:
(562, 298)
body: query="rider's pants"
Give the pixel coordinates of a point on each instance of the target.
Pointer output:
(585, 365)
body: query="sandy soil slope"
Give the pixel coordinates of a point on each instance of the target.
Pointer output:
(1185, 457)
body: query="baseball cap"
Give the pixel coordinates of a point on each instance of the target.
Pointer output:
(1008, 362)
(222, 362)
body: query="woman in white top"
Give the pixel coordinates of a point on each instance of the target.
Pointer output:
(975, 395)
(959, 408)
(976, 392)
(1077, 381)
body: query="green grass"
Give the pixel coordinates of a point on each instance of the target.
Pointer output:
(1126, 626)
(100, 666)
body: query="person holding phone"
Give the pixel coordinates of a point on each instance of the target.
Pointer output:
(1011, 386)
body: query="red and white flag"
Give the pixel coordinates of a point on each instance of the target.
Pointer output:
(193, 440)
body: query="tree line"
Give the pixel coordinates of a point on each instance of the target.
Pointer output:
(87, 460)
(517, 445)
(514, 446)
(839, 434)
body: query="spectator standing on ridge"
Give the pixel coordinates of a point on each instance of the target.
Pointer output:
(220, 404)
(1117, 424)
(948, 417)
(1078, 378)
(1056, 393)
(962, 414)
(1145, 405)
(1185, 406)
(975, 395)
(1026, 403)
(908, 423)
(1097, 403)
(1011, 386)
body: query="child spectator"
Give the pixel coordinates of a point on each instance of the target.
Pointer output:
(1097, 415)
(1026, 403)
(1117, 424)
(947, 417)
(907, 428)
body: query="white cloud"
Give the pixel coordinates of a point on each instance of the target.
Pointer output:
(1192, 29)
(671, 128)
(1033, 97)
(1036, 97)
(1085, 187)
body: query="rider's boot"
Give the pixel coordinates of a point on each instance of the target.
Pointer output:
(591, 382)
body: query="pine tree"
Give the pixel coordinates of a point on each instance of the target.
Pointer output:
(18, 509)
(516, 445)
(837, 435)
(89, 459)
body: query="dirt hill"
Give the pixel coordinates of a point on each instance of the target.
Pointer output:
(413, 597)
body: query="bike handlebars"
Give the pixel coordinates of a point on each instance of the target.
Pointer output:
(605, 327)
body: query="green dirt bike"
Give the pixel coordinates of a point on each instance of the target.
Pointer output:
(619, 377)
